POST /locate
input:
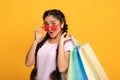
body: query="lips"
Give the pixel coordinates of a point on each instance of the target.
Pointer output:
(51, 32)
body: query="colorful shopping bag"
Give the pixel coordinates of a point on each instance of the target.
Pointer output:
(72, 70)
(80, 71)
(91, 63)
(84, 64)
(76, 69)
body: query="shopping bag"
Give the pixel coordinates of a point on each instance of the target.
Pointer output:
(80, 71)
(93, 68)
(76, 69)
(72, 70)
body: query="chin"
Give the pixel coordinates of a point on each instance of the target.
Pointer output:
(53, 37)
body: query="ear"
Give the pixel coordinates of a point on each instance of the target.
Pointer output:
(62, 24)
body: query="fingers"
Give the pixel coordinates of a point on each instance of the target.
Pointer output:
(63, 35)
(65, 38)
(39, 30)
(66, 35)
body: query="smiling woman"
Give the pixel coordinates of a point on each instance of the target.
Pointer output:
(50, 54)
(94, 21)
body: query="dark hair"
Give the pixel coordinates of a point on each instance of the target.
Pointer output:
(55, 75)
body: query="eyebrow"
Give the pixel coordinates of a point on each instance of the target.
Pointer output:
(50, 21)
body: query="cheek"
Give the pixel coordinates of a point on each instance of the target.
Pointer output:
(58, 29)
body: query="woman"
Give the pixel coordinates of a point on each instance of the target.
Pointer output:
(50, 54)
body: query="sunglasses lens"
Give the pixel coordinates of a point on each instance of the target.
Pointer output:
(45, 28)
(52, 27)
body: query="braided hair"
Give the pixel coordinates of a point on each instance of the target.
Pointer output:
(55, 75)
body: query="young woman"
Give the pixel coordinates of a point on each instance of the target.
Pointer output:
(50, 54)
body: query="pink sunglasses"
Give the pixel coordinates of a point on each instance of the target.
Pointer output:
(52, 27)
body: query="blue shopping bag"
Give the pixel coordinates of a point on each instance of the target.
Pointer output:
(76, 69)
(80, 71)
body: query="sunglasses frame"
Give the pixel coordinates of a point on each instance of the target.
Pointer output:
(52, 27)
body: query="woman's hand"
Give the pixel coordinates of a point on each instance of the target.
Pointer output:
(63, 38)
(38, 34)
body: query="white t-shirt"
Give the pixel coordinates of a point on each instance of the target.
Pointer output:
(46, 59)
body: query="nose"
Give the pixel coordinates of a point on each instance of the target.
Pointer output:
(49, 28)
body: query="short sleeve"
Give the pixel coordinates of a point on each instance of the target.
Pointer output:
(68, 46)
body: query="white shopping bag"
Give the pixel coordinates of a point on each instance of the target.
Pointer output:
(93, 68)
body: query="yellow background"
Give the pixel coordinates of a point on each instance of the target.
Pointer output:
(93, 21)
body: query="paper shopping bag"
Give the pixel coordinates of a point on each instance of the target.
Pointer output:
(90, 67)
(76, 69)
(93, 68)
(80, 71)
(72, 70)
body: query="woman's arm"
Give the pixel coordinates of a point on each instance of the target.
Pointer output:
(30, 57)
(63, 56)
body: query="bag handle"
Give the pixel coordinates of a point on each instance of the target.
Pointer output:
(74, 41)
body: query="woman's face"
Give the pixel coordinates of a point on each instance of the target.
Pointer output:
(53, 26)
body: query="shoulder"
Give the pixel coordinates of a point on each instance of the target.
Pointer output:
(68, 42)
(68, 45)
